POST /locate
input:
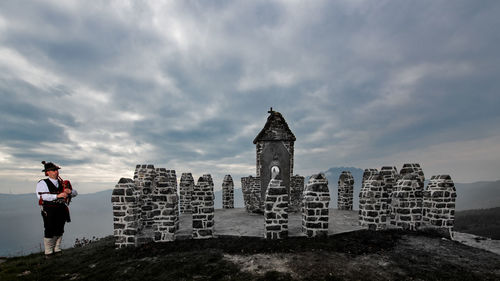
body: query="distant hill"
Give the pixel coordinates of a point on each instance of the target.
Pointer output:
(478, 195)
(483, 222)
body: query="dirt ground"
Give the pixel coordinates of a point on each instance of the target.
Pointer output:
(411, 258)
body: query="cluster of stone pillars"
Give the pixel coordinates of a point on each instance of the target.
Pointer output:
(388, 199)
(315, 203)
(252, 196)
(146, 209)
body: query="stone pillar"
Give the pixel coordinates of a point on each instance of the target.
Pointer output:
(345, 191)
(228, 193)
(367, 173)
(407, 201)
(275, 212)
(439, 204)
(165, 205)
(296, 193)
(144, 180)
(126, 213)
(186, 188)
(372, 209)
(252, 194)
(390, 176)
(412, 168)
(315, 207)
(203, 208)
(245, 187)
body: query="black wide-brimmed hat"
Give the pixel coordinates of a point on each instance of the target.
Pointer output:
(49, 166)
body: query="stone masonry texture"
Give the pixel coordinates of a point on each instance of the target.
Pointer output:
(372, 207)
(165, 205)
(146, 209)
(126, 212)
(367, 173)
(315, 207)
(296, 193)
(275, 213)
(144, 180)
(186, 188)
(228, 193)
(345, 191)
(439, 203)
(251, 194)
(407, 202)
(412, 168)
(203, 208)
(390, 176)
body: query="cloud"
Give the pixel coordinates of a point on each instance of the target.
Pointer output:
(186, 85)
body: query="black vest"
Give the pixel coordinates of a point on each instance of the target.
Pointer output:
(52, 188)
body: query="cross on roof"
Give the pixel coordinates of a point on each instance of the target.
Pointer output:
(270, 110)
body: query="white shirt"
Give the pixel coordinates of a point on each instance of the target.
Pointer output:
(41, 186)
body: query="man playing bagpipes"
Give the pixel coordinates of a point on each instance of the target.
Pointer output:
(54, 195)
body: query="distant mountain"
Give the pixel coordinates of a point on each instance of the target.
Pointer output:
(478, 195)
(483, 222)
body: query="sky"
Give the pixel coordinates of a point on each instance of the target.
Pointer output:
(98, 87)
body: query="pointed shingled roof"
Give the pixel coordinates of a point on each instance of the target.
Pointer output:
(276, 129)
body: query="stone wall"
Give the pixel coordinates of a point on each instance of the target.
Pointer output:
(372, 208)
(251, 194)
(407, 202)
(275, 212)
(203, 208)
(345, 191)
(412, 168)
(126, 213)
(296, 193)
(315, 207)
(165, 205)
(144, 176)
(146, 209)
(368, 173)
(228, 193)
(439, 203)
(186, 188)
(390, 176)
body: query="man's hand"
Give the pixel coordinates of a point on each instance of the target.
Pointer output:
(68, 191)
(63, 195)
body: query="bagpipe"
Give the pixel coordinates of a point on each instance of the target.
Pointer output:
(66, 184)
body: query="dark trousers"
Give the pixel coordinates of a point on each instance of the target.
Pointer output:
(54, 218)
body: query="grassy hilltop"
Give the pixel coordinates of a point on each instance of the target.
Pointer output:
(360, 255)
